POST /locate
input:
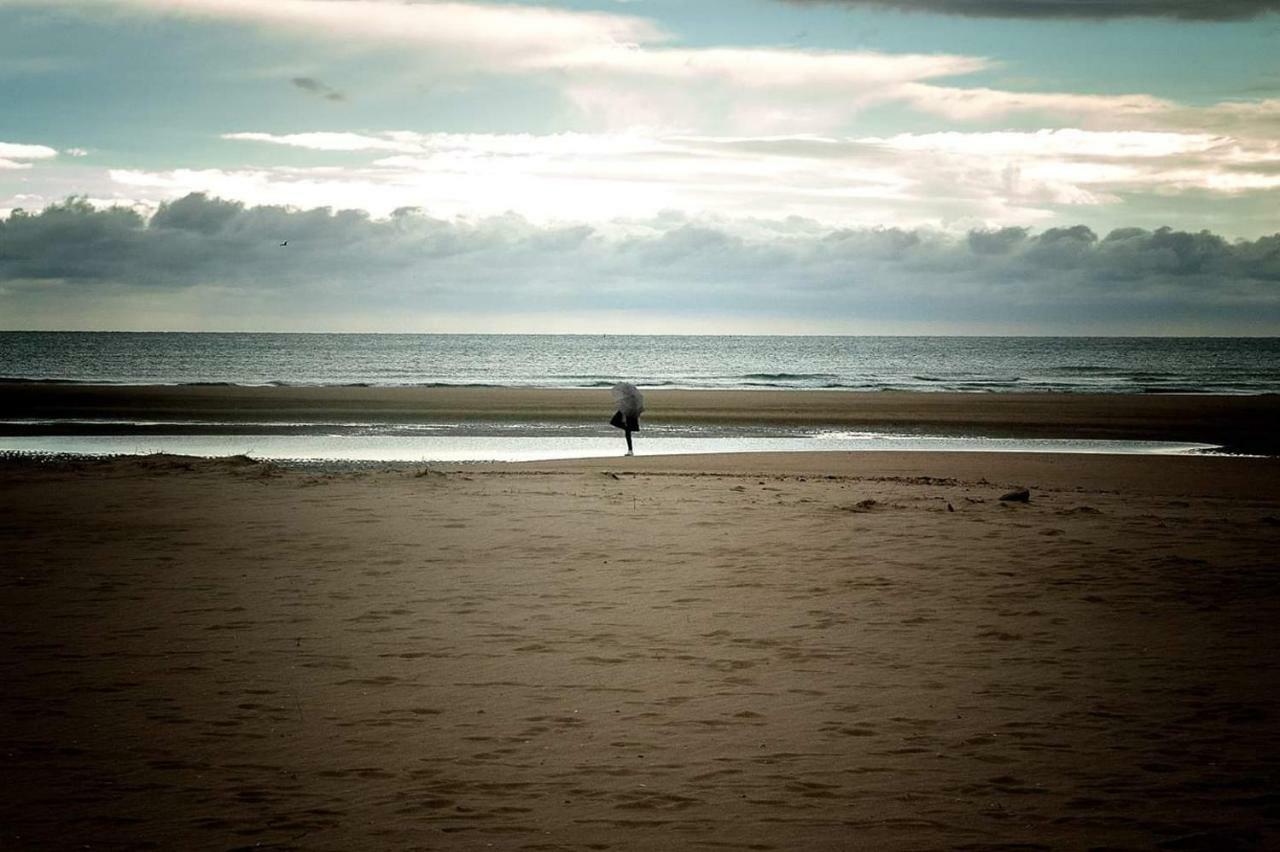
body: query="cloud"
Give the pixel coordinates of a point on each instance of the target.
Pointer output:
(1065, 142)
(313, 86)
(907, 179)
(773, 68)
(26, 152)
(198, 250)
(748, 89)
(1256, 117)
(1087, 167)
(468, 35)
(17, 156)
(971, 104)
(1185, 10)
(624, 71)
(327, 141)
(615, 70)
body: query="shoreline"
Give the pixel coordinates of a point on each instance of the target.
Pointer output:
(1241, 424)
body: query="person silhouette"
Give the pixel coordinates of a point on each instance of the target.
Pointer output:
(630, 404)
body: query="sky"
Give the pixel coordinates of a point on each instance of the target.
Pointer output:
(649, 166)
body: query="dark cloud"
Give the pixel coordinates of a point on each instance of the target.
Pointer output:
(313, 86)
(197, 213)
(1184, 10)
(1002, 241)
(1130, 280)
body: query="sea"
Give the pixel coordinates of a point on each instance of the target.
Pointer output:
(977, 364)
(830, 364)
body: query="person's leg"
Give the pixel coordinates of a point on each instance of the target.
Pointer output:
(628, 434)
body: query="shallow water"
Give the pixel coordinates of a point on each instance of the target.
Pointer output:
(509, 448)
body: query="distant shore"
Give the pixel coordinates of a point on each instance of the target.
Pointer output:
(1243, 424)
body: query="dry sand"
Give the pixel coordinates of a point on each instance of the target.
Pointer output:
(797, 652)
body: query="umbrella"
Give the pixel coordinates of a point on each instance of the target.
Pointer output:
(628, 399)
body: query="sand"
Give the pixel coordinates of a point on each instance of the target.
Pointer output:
(799, 652)
(1241, 423)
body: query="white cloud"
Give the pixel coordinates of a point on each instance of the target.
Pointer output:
(939, 179)
(518, 38)
(623, 71)
(284, 187)
(617, 70)
(1072, 166)
(972, 104)
(620, 71)
(1064, 142)
(571, 177)
(26, 152)
(14, 155)
(744, 89)
(328, 141)
(773, 69)
(491, 34)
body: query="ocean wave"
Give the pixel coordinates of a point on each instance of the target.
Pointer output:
(1087, 368)
(24, 380)
(783, 377)
(445, 385)
(1149, 377)
(608, 383)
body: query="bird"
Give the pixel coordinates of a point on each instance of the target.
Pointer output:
(283, 244)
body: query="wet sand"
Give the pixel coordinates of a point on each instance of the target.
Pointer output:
(806, 651)
(1241, 423)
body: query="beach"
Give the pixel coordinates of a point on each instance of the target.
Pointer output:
(618, 426)
(800, 651)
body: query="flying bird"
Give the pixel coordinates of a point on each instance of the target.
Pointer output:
(283, 244)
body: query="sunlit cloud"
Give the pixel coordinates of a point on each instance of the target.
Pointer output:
(908, 179)
(616, 70)
(485, 34)
(760, 90)
(1066, 142)
(773, 68)
(1071, 166)
(970, 104)
(621, 71)
(15, 155)
(518, 38)
(332, 141)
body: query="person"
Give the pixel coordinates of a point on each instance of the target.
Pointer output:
(630, 403)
